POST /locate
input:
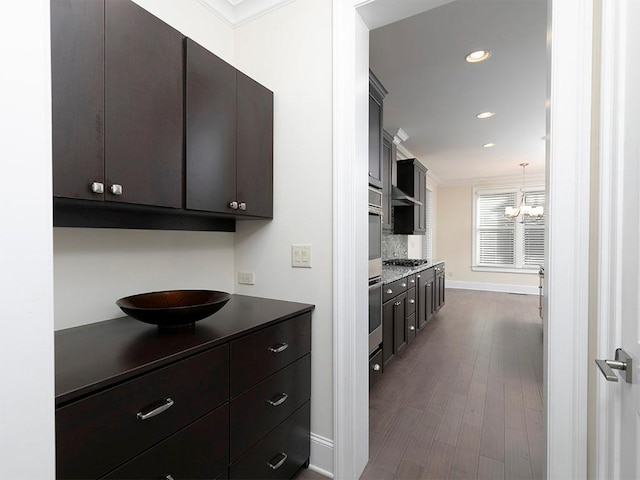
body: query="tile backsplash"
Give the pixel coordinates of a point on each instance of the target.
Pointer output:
(394, 246)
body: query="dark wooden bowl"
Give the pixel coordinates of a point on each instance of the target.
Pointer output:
(173, 308)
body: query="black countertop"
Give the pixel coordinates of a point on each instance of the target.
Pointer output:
(391, 273)
(95, 356)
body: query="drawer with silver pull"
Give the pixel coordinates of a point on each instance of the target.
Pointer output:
(280, 454)
(260, 409)
(100, 432)
(256, 356)
(411, 301)
(393, 289)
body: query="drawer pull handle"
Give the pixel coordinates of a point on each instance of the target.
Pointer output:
(275, 463)
(168, 403)
(278, 399)
(279, 348)
(389, 291)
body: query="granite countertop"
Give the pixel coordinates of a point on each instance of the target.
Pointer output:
(391, 273)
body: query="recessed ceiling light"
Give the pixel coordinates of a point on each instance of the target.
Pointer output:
(478, 56)
(489, 145)
(485, 114)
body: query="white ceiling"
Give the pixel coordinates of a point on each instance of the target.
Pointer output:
(434, 94)
(238, 12)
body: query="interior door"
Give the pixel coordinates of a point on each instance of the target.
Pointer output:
(618, 434)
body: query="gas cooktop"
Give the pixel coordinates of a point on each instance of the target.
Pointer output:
(406, 262)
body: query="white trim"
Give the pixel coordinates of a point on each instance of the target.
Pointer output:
(321, 455)
(350, 294)
(494, 287)
(567, 255)
(237, 13)
(607, 406)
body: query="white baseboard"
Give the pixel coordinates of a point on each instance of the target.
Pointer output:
(321, 460)
(494, 287)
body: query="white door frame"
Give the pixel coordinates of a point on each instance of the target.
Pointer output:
(612, 98)
(567, 267)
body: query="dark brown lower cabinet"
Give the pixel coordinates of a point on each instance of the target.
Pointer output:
(375, 367)
(426, 290)
(281, 453)
(118, 417)
(199, 451)
(400, 329)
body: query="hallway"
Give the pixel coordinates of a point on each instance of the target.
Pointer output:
(465, 400)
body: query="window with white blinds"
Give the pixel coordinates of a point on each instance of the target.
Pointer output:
(501, 242)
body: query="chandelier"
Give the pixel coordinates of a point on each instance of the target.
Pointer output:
(527, 211)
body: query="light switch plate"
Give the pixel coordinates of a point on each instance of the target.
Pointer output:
(301, 255)
(246, 278)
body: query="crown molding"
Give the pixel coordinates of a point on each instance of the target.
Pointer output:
(533, 179)
(238, 12)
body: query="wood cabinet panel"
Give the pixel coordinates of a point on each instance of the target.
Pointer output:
(254, 173)
(210, 116)
(281, 453)
(400, 323)
(109, 423)
(200, 451)
(411, 180)
(144, 107)
(256, 356)
(388, 351)
(375, 368)
(77, 104)
(377, 92)
(257, 411)
(388, 158)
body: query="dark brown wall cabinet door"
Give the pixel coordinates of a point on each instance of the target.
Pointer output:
(210, 131)
(388, 158)
(144, 90)
(376, 95)
(77, 83)
(254, 174)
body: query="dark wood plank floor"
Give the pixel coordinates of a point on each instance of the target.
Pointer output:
(465, 400)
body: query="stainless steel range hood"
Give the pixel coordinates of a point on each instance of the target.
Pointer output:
(400, 198)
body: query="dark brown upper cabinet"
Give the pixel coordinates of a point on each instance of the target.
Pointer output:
(77, 107)
(377, 92)
(117, 90)
(229, 138)
(412, 179)
(389, 154)
(254, 172)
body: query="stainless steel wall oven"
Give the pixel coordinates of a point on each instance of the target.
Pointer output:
(375, 269)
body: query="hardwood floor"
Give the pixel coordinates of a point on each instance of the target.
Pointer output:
(465, 399)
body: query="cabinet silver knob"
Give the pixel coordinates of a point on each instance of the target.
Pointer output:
(418, 276)
(404, 285)
(397, 304)
(97, 187)
(376, 367)
(116, 189)
(233, 205)
(281, 347)
(145, 414)
(277, 461)
(278, 399)
(412, 328)
(168, 477)
(389, 291)
(412, 280)
(412, 301)
(242, 206)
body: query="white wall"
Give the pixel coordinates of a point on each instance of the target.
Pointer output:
(454, 243)
(95, 267)
(289, 51)
(26, 341)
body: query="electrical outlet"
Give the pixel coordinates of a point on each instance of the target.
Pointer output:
(301, 256)
(246, 278)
